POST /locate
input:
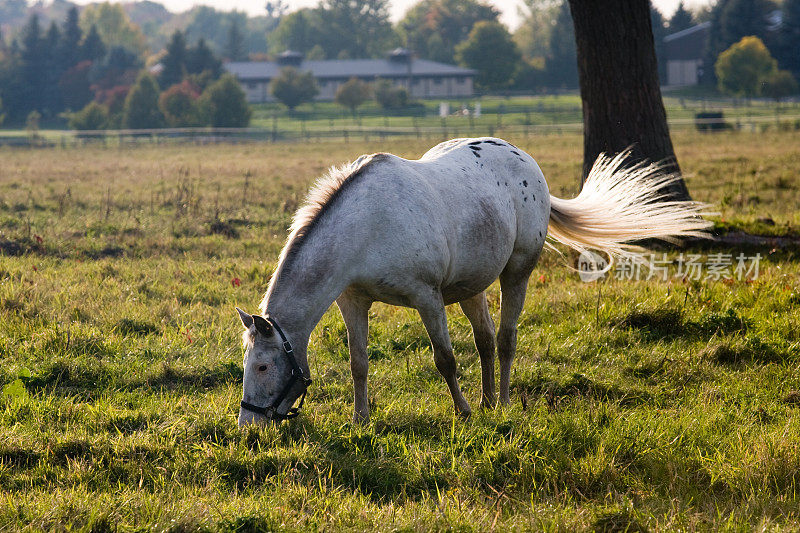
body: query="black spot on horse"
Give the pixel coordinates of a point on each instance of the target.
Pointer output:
(474, 143)
(524, 183)
(475, 148)
(494, 143)
(476, 154)
(498, 183)
(524, 198)
(514, 152)
(534, 197)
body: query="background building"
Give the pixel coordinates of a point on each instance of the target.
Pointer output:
(422, 78)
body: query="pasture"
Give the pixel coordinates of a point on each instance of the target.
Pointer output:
(642, 405)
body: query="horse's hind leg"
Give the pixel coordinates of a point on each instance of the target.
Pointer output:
(432, 312)
(356, 317)
(477, 311)
(513, 284)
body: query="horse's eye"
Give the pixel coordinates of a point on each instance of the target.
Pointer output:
(262, 368)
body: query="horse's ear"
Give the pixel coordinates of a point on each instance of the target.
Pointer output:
(262, 326)
(247, 320)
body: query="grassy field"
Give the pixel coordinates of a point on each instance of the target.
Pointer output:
(636, 405)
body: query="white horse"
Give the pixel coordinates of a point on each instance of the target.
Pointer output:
(429, 233)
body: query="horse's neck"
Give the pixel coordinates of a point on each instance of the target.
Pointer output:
(306, 287)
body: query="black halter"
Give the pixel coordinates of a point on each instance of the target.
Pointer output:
(297, 375)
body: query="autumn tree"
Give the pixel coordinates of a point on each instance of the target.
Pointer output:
(622, 105)
(741, 68)
(433, 28)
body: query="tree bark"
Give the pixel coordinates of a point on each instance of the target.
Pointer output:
(618, 73)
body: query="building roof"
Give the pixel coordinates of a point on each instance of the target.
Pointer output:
(688, 44)
(688, 31)
(347, 68)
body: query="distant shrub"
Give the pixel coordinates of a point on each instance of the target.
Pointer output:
(352, 94)
(179, 105)
(141, 105)
(224, 105)
(292, 87)
(390, 96)
(93, 116)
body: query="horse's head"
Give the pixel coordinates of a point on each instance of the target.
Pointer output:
(273, 381)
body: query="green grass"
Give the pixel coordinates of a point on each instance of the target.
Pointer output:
(636, 406)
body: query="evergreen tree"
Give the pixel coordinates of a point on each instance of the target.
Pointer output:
(92, 47)
(69, 48)
(32, 63)
(561, 64)
(200, 58)
(681, 20)
(740, 18)
(141, 105)
(659, 32)
(788, 49)
(234, 48)
(51, 96)
(174, 61)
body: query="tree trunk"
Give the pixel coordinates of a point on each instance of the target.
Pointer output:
(622, 106)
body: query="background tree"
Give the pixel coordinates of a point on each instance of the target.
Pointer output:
(779, 84)
(533, 34)
(622, 105)
(789, 38)
(224, 105)
(92, 117)
(354, 28)
(179, 105)
(141, 105)
(295, 32)
(389, 95)
(174, 61)
(352, 94)
(292, 87)
(2, 114)
(92, 48)
(433, 28)
(114, 26)
(561, 61)
(681, 20)
(741, 68)
(495, 69)
(200, 58)
(69, 47)
(33, 64)
(235, 48)
(75, 86)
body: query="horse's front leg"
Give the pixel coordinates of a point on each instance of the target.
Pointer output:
(355, 313)
(431, 310)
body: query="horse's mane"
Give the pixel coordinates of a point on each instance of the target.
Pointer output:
(321, 196)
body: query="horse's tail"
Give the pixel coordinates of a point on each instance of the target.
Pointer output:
(621, 205)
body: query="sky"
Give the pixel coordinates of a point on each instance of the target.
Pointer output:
(508, 8)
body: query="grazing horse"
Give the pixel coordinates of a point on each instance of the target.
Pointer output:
(431, 232)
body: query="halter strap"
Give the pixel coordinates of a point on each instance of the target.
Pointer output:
(297, 375)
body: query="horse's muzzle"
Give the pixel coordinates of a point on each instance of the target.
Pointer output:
(247, 417)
